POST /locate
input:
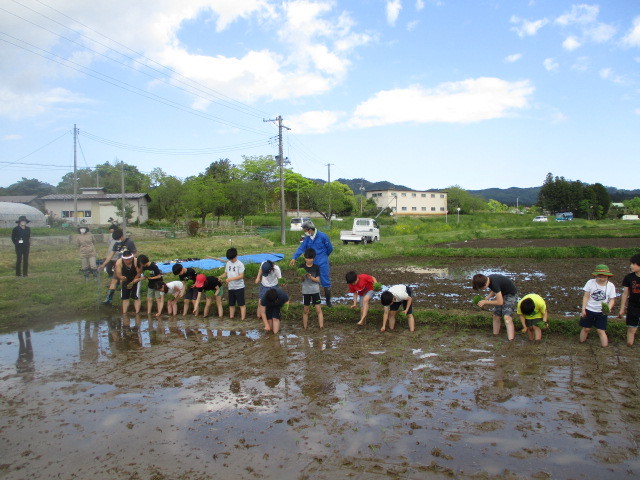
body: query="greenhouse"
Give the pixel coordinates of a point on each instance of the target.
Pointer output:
(10, 212)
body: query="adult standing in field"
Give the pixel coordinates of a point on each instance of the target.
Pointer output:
(503, 297)
(21, 238)
(320, 242)
(121, 244)
(87, 245)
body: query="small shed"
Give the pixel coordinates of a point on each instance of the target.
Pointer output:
(10, 212)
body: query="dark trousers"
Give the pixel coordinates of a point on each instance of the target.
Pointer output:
(22, 260)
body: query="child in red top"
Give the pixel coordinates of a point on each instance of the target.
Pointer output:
(362, 286)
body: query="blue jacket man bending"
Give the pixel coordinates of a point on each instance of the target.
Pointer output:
(322, 245)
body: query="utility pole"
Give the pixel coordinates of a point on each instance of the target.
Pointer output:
(75, 173)
(124, 205)
(361, 194)
(329, 186)
(283, 238)
(298, 199)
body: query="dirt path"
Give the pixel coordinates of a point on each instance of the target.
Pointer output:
(205, 399)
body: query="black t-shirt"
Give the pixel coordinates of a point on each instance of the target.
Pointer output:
(500, 283)
(281, 300)
(119, 247)
(632, 282)
(155, 271)
(210, 284)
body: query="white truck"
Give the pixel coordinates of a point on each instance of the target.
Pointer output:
(365, 230)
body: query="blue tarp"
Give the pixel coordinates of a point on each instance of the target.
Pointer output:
(209, 264)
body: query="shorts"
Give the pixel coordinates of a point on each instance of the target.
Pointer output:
(594, 319)
(191, 293)
(531, 322)
(395, 306)
(273, 312)
(109, 267)
(369, 294)
(311, 299)
(153, 293)
(633, 316)
(507, 308)
(237, 297)
(130, 293)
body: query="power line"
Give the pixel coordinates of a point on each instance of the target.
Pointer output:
(37, 150)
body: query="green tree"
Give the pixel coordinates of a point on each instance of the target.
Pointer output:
(241, 198)
(497, 207)
(457, 197)
(203, 195)
(331, 198)
(223, 171)
(296, 186)
(263, 170)
(28, 186)
(632, 206)
(167, 199)
(109, 177)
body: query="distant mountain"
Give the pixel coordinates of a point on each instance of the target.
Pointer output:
(509, 196)
(355, 183)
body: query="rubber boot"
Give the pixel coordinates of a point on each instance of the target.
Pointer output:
(109, 298)
(327, 296)
(95, 274)
(86, 275)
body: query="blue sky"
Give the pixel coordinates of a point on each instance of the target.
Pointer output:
(425, 93)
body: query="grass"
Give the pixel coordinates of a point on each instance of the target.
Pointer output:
(56, 289)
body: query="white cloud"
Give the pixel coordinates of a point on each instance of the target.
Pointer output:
(581, 64)
(513, 58)
(632, 38)
(609, 74)
(550, 64)
(526, 28)
(467, 101)
(559, 117)
(24, 104)
(412, 25)
(571, 43)
(12, 137)
(580, 14)
(393, 11)
(600, 33)
(637, 111)
(419, 5)
(320, 121)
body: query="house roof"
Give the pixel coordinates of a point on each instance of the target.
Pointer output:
(98, 196)
(18, 198)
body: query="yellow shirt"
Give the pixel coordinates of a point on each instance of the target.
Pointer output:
(540, 306)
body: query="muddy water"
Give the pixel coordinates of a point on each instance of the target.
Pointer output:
(198, 399)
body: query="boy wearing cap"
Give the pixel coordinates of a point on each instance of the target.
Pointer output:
(532, 310)
(630, 302)
(185, 275)
(392, 299)
(154, 279)
(268, 275)
(21, 238)
(599, 295)
(211, 288)
(311, 288)
(121, 244)
(128, 272)
(234, 277)
(503, 296)
(320, 242)
(361, 286)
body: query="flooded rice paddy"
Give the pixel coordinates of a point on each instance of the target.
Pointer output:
(189, 398)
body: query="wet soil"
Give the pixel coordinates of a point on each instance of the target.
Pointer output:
(626, 242)
(201, 399)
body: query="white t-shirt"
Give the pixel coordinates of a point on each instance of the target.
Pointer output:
(598, 294)
(234, 269)
(174, 288)
(271, 280)
(399, 293)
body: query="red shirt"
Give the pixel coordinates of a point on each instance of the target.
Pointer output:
(363, 284)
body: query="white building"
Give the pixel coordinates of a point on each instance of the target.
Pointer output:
(410, 202)
(96, 207)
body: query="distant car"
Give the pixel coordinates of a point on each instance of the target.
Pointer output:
(541, 218)
(296, 223)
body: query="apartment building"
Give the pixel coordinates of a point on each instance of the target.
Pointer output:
(410, 202)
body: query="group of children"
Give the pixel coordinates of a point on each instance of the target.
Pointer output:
(597, 303)
(191, 288)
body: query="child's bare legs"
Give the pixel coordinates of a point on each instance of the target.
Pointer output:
(305, 316)
(392, 319)
(276, 325)
(185, 309)
(260, 313)
(497, 323)
(137, 305)
(243, 312)
(149, 305)
(584, 333)
(207, 305)
(412, 322)
(365, 309)
(125, 306)
(604, 340)
(232, 311)
(320, 316)
(631, 335)
(160, 304)
(511, 331)
(534, 333)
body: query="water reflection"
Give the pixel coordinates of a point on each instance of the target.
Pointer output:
(24, 364)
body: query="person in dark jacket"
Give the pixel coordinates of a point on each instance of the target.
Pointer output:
(21, 238)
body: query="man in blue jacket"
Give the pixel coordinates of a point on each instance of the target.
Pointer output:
(322, 245)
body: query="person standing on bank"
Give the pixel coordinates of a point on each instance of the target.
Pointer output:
(320, 242)
(21, 238)
(87, 245)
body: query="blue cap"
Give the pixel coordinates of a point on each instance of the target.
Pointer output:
(267, 267)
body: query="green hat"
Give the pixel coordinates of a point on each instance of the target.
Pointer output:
(602, 270)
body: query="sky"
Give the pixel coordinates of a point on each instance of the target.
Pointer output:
(422, 93)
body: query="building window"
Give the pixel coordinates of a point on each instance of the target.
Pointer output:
(442, 209)
(433, 209)
(87, 213)
(433, 195)
(413, 194)
(404, 209)
(423, 195)
(424, 209)
(403, 194)
(66, 214)
(394, 194)
(413, 209)
(442, 195)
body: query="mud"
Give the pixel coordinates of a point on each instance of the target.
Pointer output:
(200, 399)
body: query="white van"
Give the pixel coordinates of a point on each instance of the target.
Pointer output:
(296, 223)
